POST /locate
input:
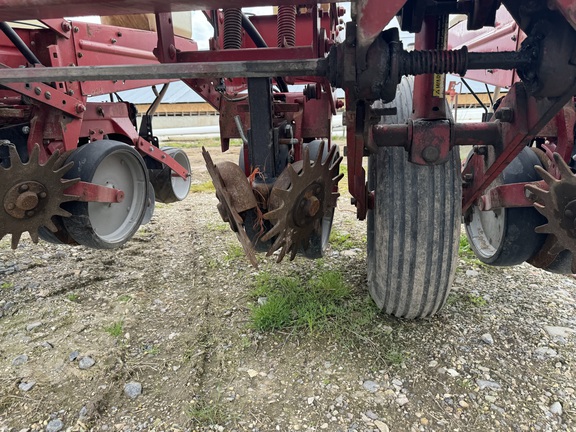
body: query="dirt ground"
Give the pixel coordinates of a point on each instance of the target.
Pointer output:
(171, 309)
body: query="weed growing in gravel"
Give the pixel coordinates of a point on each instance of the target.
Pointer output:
(115, 329)
(6, 285)
(466, 253)
(207, 413)
(219, 227)
(395, 357)
(205, 187)
(476, 300)
(234, 252)
(341, 241)
(73, 297)
(124, 298)
(291, 302)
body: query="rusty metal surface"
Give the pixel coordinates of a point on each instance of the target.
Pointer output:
(508, 196)
(28, 9)
(558, 205)
(262, 69)
(32, 194)
(531, 115)
(302, 195)
(226, 206)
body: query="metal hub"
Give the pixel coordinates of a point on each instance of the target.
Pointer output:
(300, 198)
(558, 204)
(25, 199)
(31, 194)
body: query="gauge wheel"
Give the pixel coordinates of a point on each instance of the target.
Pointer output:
(506, 236)
(168, 186)
(414, 227)
(116, 165)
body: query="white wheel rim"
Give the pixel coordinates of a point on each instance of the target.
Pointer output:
(486, 231)
(113, 222)
(180, 186)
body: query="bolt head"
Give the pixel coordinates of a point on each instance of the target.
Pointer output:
(430, 154)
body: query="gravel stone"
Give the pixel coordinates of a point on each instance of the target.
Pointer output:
(73, 355)
(20, 360)
(559, 332)
(556, 408)
(487, 339)
(27, 386)
(133, 389)
(544, 353)
(371, 386)
(402, 400)
(491, 385)
(33, 325)
(86, 363)
(382, 427)
(54, 425)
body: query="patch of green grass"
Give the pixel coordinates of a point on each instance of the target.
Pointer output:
(207, 413)
(219, 227)
(466, 253)
(124, 298)
(73, 297)
(205, 187)
(152, 350)
(234, 252)
(452, 299)
(115, 329)
(311, 304)
(6, 285)
(395, 357)
(476, 300)
(341, 241)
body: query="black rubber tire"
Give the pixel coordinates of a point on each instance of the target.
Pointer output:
(87, 159)
(62, 236)
(162, 181)
(414, 228)
(518, 242)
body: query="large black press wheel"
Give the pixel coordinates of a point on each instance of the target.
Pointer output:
(414, 228)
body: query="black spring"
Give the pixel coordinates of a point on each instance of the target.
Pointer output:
(434, 61)
(286, 26)
(232, 28)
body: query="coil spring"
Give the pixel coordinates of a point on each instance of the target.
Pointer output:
(434, 61)
(232, 28)
(286, 26)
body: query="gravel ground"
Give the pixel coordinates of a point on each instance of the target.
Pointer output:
(156, 336)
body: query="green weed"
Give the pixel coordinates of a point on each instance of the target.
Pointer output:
(6, 285)
(73, 297)
(207, 413)
(234, 252)
(115, 329)
(124, 298)
(152, 350)
(205, 187)
(476, 300)
(341, 241)
(291, 302)
(219, 227)
(466, 253)
(395, 357)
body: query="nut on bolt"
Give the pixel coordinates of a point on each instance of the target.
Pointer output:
(505, 115)
(80, 108)
(66, 27)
